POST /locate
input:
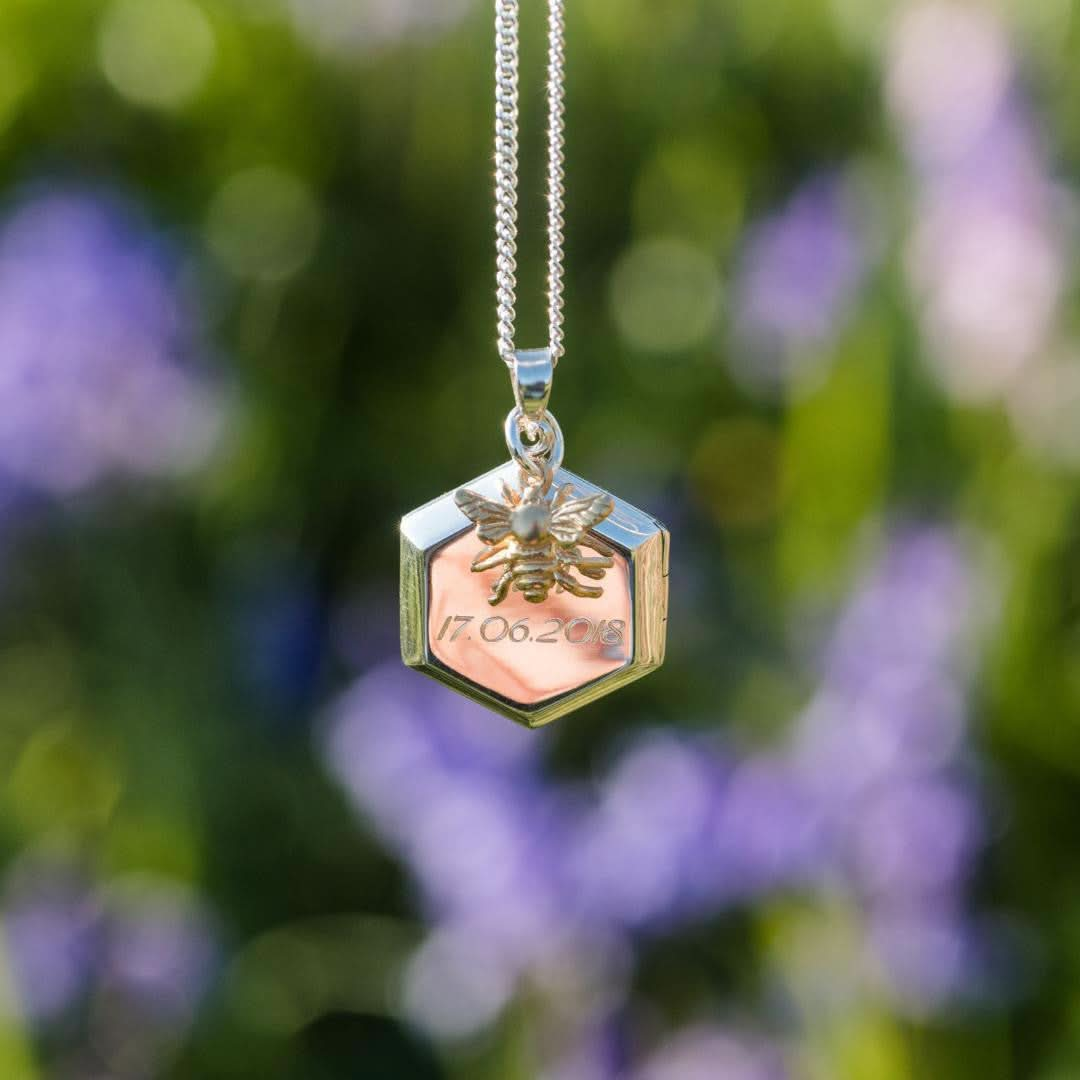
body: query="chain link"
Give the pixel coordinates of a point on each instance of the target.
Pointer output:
(507, 79)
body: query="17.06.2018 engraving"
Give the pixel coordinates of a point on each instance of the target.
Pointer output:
(495, 628)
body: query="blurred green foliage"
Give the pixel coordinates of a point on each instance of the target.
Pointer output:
(326, 187)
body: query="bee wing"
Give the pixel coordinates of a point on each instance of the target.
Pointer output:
(575, 517)
(492, 519)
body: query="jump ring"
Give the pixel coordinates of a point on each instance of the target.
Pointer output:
(548, 450)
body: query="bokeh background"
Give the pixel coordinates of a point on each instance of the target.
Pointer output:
(823, 320)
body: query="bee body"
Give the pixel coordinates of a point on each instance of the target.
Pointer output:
(532, 569)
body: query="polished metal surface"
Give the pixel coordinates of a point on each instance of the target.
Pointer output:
(533, 373)
(522, 652)
(568, 651)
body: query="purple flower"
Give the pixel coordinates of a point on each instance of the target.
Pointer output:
(120, 968)
(161, 949)
(986, 258)
(915, 841)
(94, 349)
(51, 923)
(891, 702)
(925, 956)
(593, 1052)
(798, 274)
(910, 613)
(521, 876)
(457, 792)
(879, 745)
(768, 832)
(943, 108)
(458, 982)
(706, 1053)
(635, 856)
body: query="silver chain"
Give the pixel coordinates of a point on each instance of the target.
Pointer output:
(507, 77)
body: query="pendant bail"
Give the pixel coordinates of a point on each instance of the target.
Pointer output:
(533, 372)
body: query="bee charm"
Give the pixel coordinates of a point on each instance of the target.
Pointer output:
(537, 539)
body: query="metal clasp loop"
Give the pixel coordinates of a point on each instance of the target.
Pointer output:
(540, 459)
(532, 373)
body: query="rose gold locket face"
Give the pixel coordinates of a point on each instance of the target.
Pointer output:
(530, 661)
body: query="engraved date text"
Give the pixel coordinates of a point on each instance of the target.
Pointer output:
(495, 628)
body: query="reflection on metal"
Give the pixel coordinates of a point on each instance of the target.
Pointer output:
(533, 373)
(532, 663)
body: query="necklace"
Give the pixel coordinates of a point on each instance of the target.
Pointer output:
(530, 589)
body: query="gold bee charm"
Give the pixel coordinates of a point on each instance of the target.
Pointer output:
(536, 539)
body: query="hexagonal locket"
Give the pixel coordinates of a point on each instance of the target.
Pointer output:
(524, 601)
